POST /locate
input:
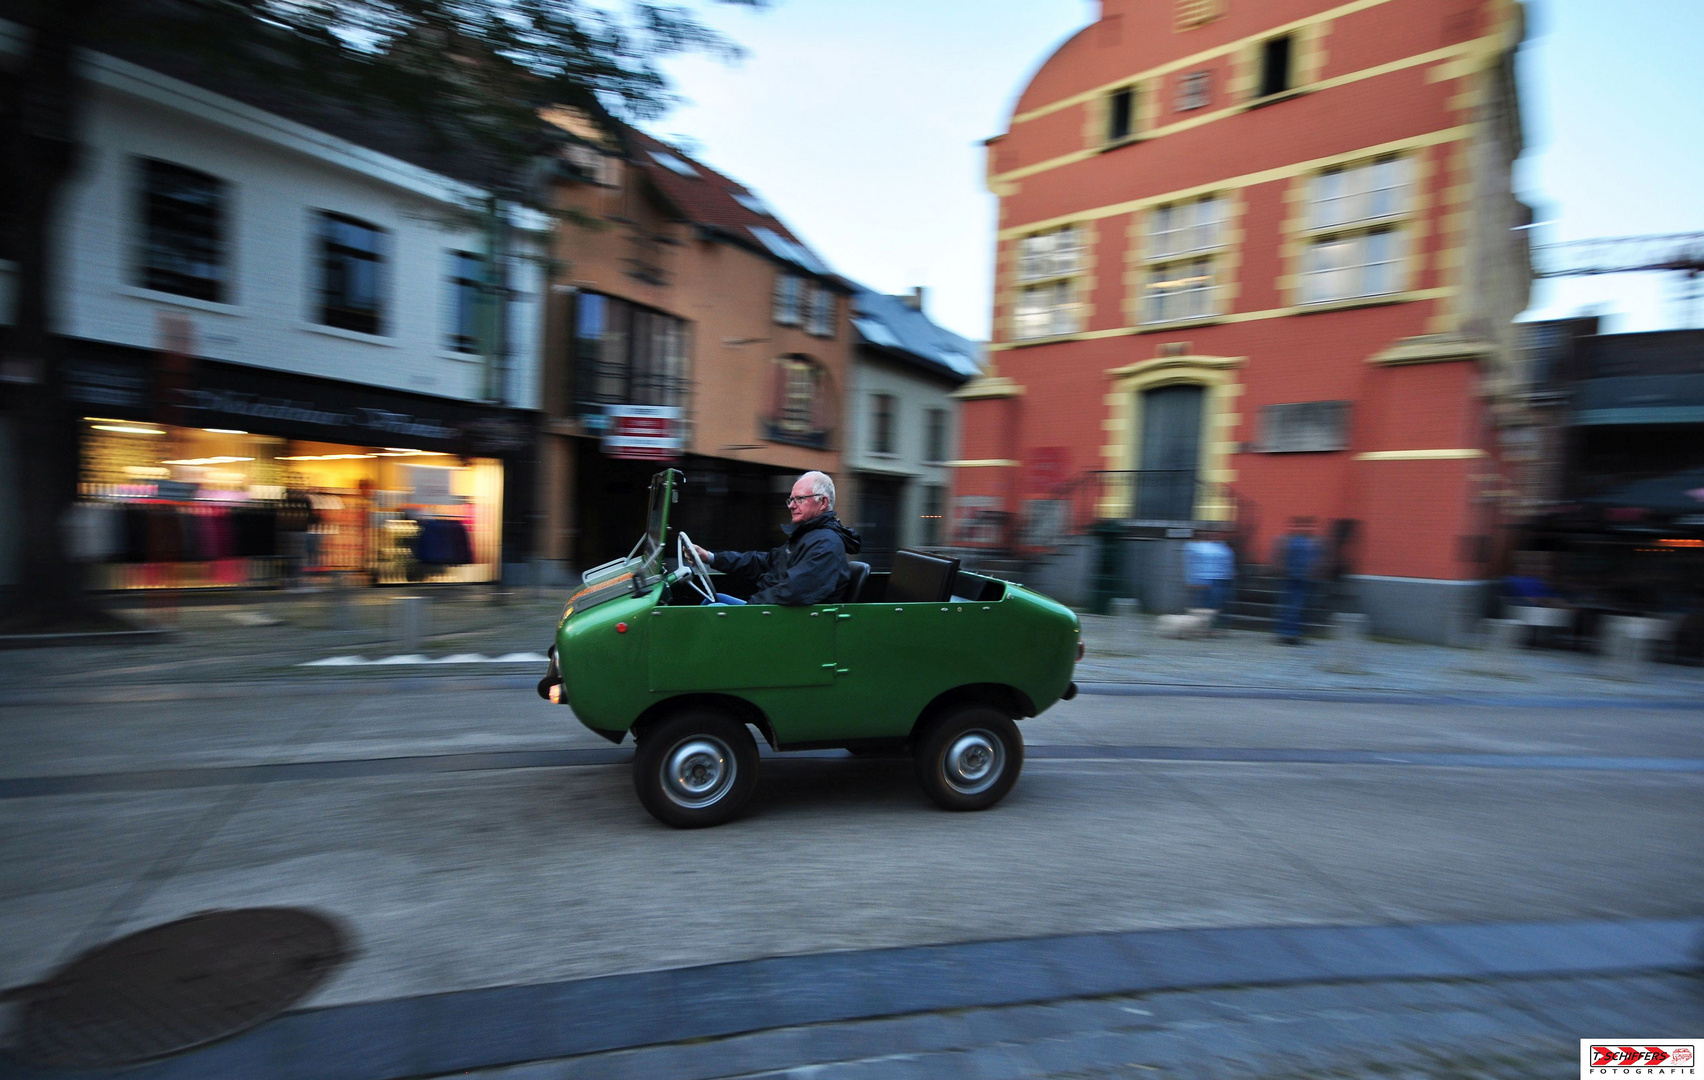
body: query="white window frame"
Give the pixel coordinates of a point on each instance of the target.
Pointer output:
(1182, 257)
(789, 290)
(820, 320)
(1048, 298)
(1194, 90)
(1357, 231)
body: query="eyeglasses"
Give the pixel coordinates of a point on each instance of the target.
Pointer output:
(794, 500)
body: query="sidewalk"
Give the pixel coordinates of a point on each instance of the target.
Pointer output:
(1132, 652)
(308, 637)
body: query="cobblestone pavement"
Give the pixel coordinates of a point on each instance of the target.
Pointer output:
(1509, 1029)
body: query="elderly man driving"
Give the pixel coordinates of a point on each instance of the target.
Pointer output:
(810, 568)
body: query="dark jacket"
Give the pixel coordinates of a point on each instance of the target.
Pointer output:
(810, 568)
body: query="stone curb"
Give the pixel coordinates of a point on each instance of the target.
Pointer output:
(474, 1029)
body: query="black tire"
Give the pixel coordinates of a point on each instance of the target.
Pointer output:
(695, 769)
(969, 758)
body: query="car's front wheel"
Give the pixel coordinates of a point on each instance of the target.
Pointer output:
(695, 769)
(969, 758)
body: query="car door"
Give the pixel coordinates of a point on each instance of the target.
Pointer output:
(754, 648)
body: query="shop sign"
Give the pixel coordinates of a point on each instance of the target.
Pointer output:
(381, 421)
(93, 382)
(643, 432)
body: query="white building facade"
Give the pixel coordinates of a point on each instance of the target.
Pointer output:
(901, 424)
(256, 316)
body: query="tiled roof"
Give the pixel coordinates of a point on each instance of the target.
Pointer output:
(891, 324)
(706, 197)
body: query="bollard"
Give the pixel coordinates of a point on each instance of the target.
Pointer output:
(1627, 643)
(1347, 653)
(409, 618)
(343, 603)
(1503, 641)
(1126, 625)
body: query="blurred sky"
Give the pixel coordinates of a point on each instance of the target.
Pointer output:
(861, 121)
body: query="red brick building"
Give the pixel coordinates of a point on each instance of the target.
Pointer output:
(1259, 260)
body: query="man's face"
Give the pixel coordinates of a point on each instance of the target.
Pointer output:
(802, 504)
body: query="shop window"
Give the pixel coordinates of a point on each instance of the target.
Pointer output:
(935, 435)
(789, 299)
(467, 273)
(625, 354)
(1049, 266)
(1275, 65)
(183, 228)
(1121, 114)
(821, 321)
(1185, 246)
(1304, 426)
(882, 410)
(1357, 231)
(802, 408)
(352, 273)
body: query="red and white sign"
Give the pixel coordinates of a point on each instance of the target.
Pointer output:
(643, 432)
(1606, 1057)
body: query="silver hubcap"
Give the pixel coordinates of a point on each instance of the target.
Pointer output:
(974, 762)
(698, 771)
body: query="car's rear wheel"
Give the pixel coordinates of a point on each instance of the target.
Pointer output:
(695, 769)
(969, 758)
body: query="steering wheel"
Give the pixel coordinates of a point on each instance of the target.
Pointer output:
(697, 574)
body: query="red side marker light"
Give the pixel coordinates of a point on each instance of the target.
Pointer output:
(621, 628)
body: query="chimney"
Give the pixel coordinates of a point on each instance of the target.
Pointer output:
(914, 298)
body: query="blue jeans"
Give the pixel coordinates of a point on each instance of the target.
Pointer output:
(724, 598)
(1291, 605)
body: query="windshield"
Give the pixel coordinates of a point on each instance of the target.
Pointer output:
(665, 487)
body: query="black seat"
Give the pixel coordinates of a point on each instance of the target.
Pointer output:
(920, 577)
(855, 584)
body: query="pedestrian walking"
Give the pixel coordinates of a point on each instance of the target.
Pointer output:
(1298, 554)
(1209, 569)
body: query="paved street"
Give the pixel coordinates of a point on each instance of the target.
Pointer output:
(471, 836)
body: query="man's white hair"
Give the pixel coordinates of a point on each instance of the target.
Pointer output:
(821, 485)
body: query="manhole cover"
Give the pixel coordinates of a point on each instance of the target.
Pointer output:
(172, 987)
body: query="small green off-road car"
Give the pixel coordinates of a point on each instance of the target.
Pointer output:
(928, 660)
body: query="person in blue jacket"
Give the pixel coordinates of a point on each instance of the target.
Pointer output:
(811, 567)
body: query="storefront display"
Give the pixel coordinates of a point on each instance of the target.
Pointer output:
(226, 474)
(172, 507)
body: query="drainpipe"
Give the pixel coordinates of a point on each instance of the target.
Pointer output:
(490, 300)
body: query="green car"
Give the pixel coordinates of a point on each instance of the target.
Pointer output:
(929, 660)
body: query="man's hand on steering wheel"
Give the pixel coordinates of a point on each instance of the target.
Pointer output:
(694, 560)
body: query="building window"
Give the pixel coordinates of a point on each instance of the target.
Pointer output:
(1275, 65)
(934, 507)
(624, 354)
(789, 299)
(467, 273)
(1192, 13)
(1186, 243)
(1049, 264)
(1304, 426)
(183, 222)
(1121, 114)
(881, 423)
(352, 266)
(821, 321)
(802, 406)
(935, 435)
(1356, 231)
(1194, 90)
